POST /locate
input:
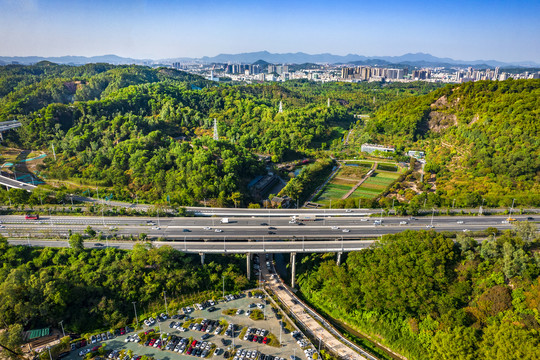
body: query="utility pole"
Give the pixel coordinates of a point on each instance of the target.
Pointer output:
(136, 319)
(223, 277)
(63, 332)
(432, 214)
(165, 296)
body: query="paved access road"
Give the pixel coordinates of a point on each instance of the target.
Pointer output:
(254, 227)
(285, 296)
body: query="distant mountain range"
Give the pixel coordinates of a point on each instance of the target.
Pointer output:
(417, 59)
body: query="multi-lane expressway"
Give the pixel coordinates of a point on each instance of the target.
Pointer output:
(229, 247)
(246, 228)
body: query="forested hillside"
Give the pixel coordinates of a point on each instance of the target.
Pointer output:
(147, 133)
(481, 139)
(427, 297)
(94, 289)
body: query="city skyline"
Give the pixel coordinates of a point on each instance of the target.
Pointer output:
(494, 30)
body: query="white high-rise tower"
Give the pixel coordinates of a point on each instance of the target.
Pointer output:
(216, 134)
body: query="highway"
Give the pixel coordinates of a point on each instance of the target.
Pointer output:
(229, 247)
(244, 228)
(9, 182)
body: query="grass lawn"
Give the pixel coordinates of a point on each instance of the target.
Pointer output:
(376, 184)
(333, 192)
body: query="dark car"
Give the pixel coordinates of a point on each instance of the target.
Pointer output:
(264, 224)
(271, 233)
(530, 218)
(212, 308)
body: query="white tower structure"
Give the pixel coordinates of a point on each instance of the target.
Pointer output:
(280, 107)
(328, 105)
(216, 135)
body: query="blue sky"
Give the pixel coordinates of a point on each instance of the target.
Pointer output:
(468, 30)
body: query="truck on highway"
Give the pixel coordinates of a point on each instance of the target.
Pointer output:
(300, 218)
(225, 221)
(31, 217)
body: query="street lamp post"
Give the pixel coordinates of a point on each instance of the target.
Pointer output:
(63, 332)
(165, 296)
(136, 319)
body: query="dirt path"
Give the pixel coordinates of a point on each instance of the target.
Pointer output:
(370, 172)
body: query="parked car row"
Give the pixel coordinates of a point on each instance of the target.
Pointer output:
(132, 338)
(101, 337)
(205, 305)
(205, 325)
(246, 354)
(256, 335)
(309, 353)
(177, 325)
(231, 297)
(150, 321)
(299, 337)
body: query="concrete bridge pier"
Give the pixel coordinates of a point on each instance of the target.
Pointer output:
(202, 258)
(339, 254)
(248, 258)
(293, 269)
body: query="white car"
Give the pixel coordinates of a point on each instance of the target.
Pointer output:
(156, 228)
(335, 228)
(207, 228)
(292, 221)
(363, 219)
(505, 222)
(348, 210)
(403, 223)
(460, 221)
(429, 226)
(465, 230)
(218, 230)
(345, 230)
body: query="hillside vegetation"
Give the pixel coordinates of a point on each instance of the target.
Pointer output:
(481, 140)
(147, 133)
(94, 289)
(427, 297)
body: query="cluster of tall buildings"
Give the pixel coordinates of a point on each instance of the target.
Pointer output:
(471, 74)
(247, 69)
(366, 73)
(278, 69)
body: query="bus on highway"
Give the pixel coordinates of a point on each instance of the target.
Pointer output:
(31, 217)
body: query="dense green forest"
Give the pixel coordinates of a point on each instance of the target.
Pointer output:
(481, 140)
(94, 289)
(146, 133)
(428, 297)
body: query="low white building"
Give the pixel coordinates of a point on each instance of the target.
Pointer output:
(369, 148)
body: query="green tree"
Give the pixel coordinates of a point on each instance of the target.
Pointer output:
(507, 341)
(12, 338)
(76, 242)
(458, 343)
(526, 230)
(90, 232)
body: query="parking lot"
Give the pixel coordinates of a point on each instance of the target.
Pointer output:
(246, 345)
